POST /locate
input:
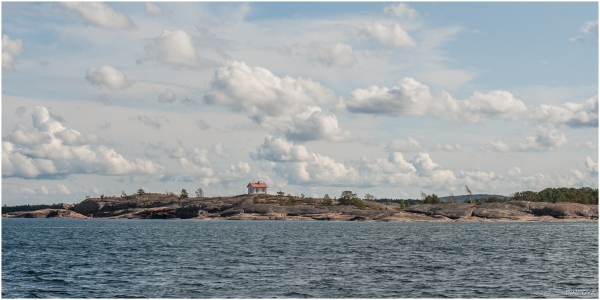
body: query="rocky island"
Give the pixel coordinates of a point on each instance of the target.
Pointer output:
(272, 207)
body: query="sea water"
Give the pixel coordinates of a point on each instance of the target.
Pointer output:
(99, 258)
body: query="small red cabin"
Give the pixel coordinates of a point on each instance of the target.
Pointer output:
(257, 188)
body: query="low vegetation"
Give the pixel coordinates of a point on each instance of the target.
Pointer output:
(27, 207)
(584, 195)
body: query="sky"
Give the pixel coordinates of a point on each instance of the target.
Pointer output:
(391, 99)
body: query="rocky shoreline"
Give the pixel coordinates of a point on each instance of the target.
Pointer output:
(269, 207)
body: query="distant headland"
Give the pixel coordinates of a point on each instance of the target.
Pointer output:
(521, 206)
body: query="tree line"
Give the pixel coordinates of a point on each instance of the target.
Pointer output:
(27, 207)
(584, 195)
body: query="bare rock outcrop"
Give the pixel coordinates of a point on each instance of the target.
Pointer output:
(88, 206)
(567, 210)
(269, 207)
(452, 211)
(502, 211)
(45, 213)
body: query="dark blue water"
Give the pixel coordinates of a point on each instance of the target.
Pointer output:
(249, 259)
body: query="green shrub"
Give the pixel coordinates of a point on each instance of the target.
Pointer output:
(184, 194)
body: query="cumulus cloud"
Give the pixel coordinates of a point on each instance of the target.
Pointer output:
(278, 149)
(219, 150)
(591, 166)
(284, 105)
(339, 55)
(497, 146)
(297, 165)
(590, 27)
(154, 10)
(400, 10)
(100, 15)
(428, 169)
(62, 189)
(448, 147)
(514, 172)
(322, 171)
(591, 146)
(174, 47)
(51, 150)
(569, 114)
(43, 190)
(543, 139)
(107, 76)
(169, 96)
(412, 98)
(196, 167)
(10, 49)
(393, 35)
(410, 145)
(178, 152)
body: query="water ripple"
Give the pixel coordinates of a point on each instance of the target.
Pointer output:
(52, 258)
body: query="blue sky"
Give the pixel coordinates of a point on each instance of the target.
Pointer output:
(384, 98)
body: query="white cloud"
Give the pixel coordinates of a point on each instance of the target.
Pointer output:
(178, 152)
(198, 168)
(107, 76)
(325, 171)
(218, 149)
(283, 105)
(322, 171)
(24, 190)
(10, 49)
(52, 150)
(570, 114)
(62, 189)
(590, 27)
(448, 147)
(591, 166)
(277, 149)
(577, 39)
(591, 146)
(393, 170)
(412, 98)
(410, 145)
(390, 36)
(543, 139)
(497, 146)
(100, 15)
(43, 190)
(514, 172)
(174, 47)
(400, 10)
(154, 10)
(339, 55)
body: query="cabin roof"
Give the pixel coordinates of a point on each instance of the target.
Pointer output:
(257, 185)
